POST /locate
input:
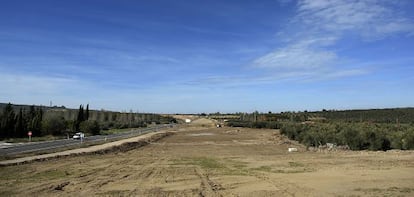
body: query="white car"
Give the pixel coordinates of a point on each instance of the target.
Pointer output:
(78, 136)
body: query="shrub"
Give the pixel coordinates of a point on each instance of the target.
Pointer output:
(358, 136)
(350, 135)
(408, 139)
(55, 125)
(90, 126)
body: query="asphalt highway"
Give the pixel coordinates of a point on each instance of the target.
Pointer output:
(56, 144)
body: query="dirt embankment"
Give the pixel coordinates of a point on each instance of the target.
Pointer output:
(200, 161)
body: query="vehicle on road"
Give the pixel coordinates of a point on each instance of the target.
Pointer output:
(78, 136)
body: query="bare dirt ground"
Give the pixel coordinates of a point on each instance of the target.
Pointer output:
(201, 161)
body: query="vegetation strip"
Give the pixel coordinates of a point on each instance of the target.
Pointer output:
(378, 129)
(16, 121)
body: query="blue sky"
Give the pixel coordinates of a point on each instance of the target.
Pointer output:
(208, 56)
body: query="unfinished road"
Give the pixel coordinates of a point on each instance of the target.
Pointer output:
(201, 161)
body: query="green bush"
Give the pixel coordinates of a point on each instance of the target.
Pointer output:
(90, 126)
(358, 136)
(408, 139)
(350, 135)
(54, 126)
(237, 123)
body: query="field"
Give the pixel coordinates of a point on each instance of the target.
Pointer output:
(208, 161)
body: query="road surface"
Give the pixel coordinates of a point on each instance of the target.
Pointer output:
(56, 144)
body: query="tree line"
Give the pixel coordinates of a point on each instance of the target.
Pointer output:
(379, 129)
(17, 125)
(357, 136)
(393, 115)
(15, 122)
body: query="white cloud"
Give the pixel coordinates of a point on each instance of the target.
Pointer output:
(12, 83)
(401, 25)
(37, 89)
(296, 57)
(368, 18)
(317, 28)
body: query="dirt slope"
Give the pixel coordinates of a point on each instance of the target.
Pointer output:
(217, 162)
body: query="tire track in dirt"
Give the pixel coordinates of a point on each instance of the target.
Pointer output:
(207, 186)
(198, 165)
(277, 185)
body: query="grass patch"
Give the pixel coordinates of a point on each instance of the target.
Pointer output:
(231, 167)
(263, 168)
(208, 163)
(238, 172)
(235, 167)
(23, 174)
(49, 174)
(236, 164)
(223, 167)
(115, 131)
(14, 172)
(8, 193)
(239, 166)
(2, 158)
(296, 164)
(386, 191)
(406, 190)
(203, 162)
(114, 193)
(34, 139)
(290, 171)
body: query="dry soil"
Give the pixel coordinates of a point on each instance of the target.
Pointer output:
(207, 161)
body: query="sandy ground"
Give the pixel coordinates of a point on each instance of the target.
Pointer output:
(200, 161)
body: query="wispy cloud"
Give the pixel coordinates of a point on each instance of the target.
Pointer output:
(368, 18)
(301, 76)
(31, 83)
(31, 88)
(305, 54)
(319, 25)
(34, 89)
